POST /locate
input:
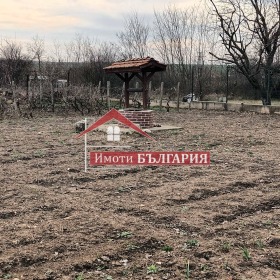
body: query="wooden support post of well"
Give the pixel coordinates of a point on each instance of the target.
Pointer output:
(145, 91)
(126, 92)
(108, 94)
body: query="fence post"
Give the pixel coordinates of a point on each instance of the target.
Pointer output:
(178, 96)
(52, 96)
(27, 86)
(161, 95)
(41, 92)
(108, 94)
(66, 91)
(90, 89)
(99, 88)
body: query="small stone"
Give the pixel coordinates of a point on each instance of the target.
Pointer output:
(80, 126)
(105, 258)
(116, 263)
(124, 262)
(73, 170)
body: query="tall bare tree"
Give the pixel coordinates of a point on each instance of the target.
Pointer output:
(98, 55)
(134, 39)
(172, 37)
(87, 58)
(181, 39)
(249, 32)
(37, 50)
(57, 51)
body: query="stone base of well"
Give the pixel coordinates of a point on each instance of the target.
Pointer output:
(144, 118)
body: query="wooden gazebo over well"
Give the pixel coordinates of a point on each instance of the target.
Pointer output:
(142, 68)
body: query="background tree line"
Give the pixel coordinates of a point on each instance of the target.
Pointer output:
(229, 47)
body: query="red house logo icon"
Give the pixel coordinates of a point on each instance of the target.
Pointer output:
(113, 114)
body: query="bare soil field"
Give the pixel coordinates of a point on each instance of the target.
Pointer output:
(220, 221)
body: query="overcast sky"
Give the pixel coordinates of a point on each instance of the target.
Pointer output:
(62, 19)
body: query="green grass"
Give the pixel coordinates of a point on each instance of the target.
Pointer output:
(192, 243)
(125, 234)
(187, 270)
(132, 247)
(260, 244)
(225, 247)
(246, 254)
(167, 248)
(152, 269)
(79, 277)
(7, 276)
(39, 154)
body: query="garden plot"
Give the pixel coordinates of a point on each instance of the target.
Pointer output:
(156, 222)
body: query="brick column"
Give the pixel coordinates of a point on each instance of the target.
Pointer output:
(144, 118)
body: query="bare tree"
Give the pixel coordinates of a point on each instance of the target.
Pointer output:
(57, 51)
(88, 57)
(37, 50)
(134, 39)
(172, 38)
(14, 63)
(68, 52)
(14, 68)
(98, 55)
(181, 38)
(249, 32)
(74, 49)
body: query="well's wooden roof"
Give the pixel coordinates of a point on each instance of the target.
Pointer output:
(136, 65)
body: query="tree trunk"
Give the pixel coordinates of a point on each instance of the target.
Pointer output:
(268, 87)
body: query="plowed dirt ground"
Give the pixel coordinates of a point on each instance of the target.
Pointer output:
(220, 221)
